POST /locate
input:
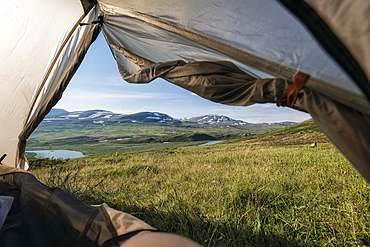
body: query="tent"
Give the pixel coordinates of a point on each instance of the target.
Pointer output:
(310, 55)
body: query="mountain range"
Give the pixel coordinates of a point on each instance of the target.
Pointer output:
(103, 117)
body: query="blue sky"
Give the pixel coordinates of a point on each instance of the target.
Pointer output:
(98, 85)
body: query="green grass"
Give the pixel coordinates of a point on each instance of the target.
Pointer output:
(256, 192)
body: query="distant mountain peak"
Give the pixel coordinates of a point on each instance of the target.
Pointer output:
(214, 119)
(60, 114)
(94, 114)
(57, 111)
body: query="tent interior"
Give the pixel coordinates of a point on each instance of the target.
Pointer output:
(310, 55)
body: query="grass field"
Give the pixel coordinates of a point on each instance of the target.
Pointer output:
(272, 189)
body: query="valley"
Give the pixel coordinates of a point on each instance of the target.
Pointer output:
(97, 132)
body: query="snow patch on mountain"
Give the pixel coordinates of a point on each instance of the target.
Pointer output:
(158, 118)
(95, 115)
(162, 118)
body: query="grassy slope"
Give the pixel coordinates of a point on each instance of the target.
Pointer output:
(303, 133)
(255, 192)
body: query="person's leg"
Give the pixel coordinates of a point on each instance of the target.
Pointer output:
(158, 239)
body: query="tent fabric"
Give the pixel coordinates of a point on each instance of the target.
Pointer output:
(66, 64)
(220, 82)
(161, 40)
(44, 216)
(88, 5)
(169, 32)
(348, 21)
(61, 69)
(342, 28)
(28, 45)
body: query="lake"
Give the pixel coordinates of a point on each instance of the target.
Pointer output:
(57, 154)
(211, 143)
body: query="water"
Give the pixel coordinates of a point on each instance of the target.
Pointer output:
(57, 154)
(211, 143)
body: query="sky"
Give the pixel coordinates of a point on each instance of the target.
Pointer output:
(98, 85)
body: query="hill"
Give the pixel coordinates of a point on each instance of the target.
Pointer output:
(303, 133)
